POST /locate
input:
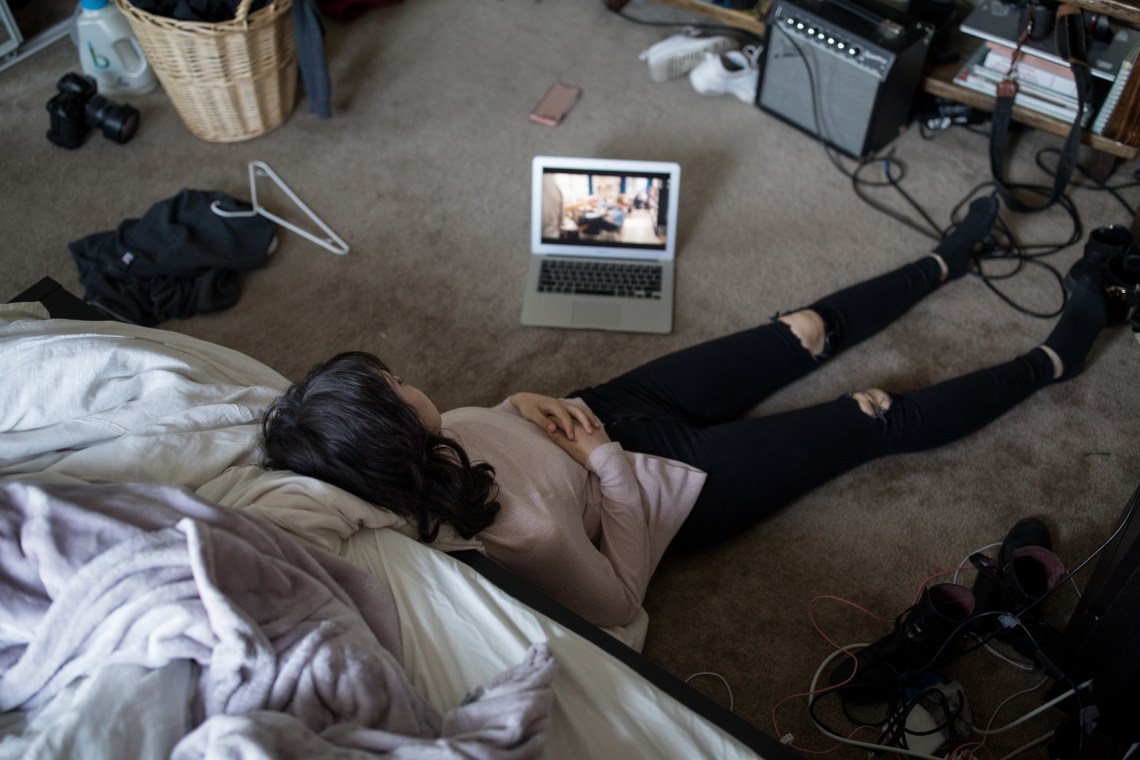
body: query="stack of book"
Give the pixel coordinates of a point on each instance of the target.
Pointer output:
(1043, 86)
(1119, 115)
(1044, 81)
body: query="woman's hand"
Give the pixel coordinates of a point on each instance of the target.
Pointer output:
(582, 445)
(554, 415)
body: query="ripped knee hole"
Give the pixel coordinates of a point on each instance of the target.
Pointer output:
(809, 328)
(874, 402)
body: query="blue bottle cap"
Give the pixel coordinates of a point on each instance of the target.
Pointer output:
(93, 5)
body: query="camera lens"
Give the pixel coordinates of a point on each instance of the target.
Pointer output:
(118, 121)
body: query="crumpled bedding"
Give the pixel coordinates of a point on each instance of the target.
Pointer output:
(110, 402)
(295, 651)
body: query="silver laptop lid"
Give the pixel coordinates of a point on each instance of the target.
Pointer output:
(604, 208)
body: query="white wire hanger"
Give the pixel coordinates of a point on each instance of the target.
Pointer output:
(332, 241)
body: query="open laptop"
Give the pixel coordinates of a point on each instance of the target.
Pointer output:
(603, 237)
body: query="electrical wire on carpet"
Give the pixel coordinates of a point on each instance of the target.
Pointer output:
(723, 680)
(897, 717)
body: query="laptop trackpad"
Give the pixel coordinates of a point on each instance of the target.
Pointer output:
(594, 313)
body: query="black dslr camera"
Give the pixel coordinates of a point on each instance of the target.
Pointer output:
(77, 108)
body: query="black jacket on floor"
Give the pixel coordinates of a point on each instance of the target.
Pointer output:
(180, 259)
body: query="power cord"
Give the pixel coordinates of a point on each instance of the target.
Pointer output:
(723, 680)
(893, 740)
(898, 717)
(894, 171)
(1005, 248)
(895, 731)
(831, 734)
(1094, 184)
(1073, 690)
(1009, 250)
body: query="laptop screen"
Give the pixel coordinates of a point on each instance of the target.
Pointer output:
(598, 207)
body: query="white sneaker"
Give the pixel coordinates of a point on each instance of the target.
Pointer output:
(675, 56)
(736, 72)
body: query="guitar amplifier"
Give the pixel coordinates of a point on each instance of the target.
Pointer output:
(841, 70)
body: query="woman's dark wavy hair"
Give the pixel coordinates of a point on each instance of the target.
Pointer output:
(345, 424)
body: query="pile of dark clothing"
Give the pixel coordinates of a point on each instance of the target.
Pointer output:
(208, 11)
(180, 259)
(213, 11)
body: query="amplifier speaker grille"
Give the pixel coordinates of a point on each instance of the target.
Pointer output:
(850, 86)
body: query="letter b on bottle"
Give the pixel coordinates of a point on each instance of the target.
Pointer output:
(100, 61)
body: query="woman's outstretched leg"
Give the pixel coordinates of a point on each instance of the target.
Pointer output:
(857, 313)
(758, 465)
(720, 380)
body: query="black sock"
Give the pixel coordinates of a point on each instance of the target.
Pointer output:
(1082, 319)
(957, 248)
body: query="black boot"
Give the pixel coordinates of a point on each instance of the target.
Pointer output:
(926, 635)
(1008, 591)
(1091, 303)
(1109, 265)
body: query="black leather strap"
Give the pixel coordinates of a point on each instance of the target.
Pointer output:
(1070, 40)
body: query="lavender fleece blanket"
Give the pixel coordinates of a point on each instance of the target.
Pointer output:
(295, 652)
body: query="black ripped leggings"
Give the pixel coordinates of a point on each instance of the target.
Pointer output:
(689, 405)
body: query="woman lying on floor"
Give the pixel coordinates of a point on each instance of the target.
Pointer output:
(582, 495)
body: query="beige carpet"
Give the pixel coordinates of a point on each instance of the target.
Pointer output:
(424, 171)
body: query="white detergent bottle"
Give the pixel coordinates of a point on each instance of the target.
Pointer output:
(109, 51)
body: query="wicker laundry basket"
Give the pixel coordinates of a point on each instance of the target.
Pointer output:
(230, 80)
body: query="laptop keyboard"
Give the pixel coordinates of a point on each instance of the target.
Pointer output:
(599, 278)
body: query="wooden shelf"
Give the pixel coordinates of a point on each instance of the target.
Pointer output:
(939, 81)
(749, 21)
(1118, 9)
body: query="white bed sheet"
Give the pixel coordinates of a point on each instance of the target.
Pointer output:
(458, 628)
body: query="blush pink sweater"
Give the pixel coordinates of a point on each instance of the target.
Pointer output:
(589, 537)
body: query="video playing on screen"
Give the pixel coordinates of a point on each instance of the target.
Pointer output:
(580, 207)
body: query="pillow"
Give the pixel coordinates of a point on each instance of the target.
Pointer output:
(313, 510)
